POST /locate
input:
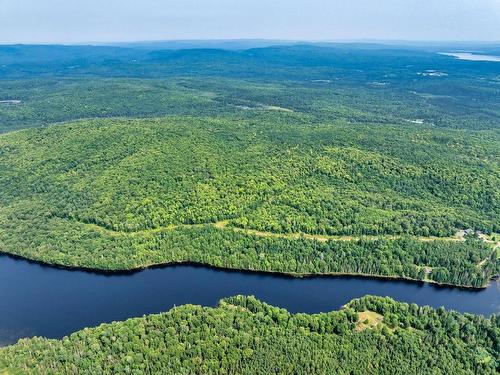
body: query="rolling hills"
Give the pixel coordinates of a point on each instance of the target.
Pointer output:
(116, 194)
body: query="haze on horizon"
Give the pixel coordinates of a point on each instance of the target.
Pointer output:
(78, 21)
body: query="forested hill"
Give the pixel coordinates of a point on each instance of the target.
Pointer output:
(361, 84)
(298, 159)
(245, 336)
(303, 159)
(358, 62)
(272, 194)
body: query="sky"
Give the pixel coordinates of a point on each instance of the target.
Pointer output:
(90, 21)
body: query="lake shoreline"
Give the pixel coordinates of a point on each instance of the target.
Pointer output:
(54, 301)
(468, 56)
(292, 275)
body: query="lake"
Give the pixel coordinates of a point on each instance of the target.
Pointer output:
(52, 302)
(471, 56)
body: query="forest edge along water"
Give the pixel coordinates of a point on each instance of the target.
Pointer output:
(41, 300)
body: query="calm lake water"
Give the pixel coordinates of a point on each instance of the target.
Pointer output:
(45, 301)
(471, 56)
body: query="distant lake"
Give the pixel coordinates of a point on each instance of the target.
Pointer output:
(52, 302)
(471, 56)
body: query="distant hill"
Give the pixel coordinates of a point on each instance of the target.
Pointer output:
(227, 44)
(320, 61)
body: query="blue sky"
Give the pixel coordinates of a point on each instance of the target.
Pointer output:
(77, 21)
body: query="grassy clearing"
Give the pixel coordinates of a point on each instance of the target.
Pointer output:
(368, 319)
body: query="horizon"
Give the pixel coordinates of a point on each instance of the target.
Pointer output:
(395, 42)
(123, 21)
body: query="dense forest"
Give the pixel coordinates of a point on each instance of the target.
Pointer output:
(300, 159)
(245, 336)
(120, 194)
(361, 84)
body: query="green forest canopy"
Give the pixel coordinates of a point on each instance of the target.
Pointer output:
(245, 336)
(299, 159)
(254, 159)
(126, 193)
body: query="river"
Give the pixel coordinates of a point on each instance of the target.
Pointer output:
(52, 302)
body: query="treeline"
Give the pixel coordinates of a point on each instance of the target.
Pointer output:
(63, 242)
(104, 193)
(245, 336)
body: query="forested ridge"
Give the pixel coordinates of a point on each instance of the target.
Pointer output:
(386, 147)
(382, 85)
(245, 336)
(120, 194)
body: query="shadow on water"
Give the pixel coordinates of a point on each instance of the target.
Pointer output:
(53, 302)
